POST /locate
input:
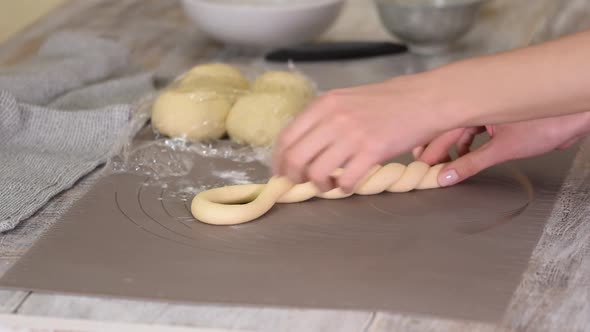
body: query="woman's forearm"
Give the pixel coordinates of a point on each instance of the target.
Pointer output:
(546, 80)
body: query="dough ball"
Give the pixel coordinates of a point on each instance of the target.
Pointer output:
(258, 118)
(196, 116)
(217, 72)
(285, 82)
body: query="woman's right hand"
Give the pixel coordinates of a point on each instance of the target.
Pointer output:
(357, 128)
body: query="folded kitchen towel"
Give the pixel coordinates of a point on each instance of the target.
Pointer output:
(62, 114)
(126, 90)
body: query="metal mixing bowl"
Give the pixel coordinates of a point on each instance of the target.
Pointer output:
(428, 26)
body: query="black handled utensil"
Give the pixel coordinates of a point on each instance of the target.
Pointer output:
(330, 51)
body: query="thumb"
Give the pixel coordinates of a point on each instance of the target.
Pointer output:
(472, 163)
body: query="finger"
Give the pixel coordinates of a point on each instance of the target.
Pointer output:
(355, 171)
(464, 143)
(472, 163)
(491, 129)
(444, 159)
(300, 155)
(417, 151)
(307, 120)
(569, 143)
(438, 149)
(321, 169)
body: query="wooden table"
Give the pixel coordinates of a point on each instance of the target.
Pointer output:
(555, 290)
(16, 15)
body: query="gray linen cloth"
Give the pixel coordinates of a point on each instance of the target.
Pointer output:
(62, 114)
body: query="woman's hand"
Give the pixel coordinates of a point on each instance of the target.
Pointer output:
(358, 128)
(507, 142)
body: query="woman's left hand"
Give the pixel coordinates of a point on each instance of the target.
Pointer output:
(507, 142)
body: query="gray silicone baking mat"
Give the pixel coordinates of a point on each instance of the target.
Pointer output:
(456, 252)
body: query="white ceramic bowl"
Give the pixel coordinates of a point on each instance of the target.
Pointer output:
(263, 23)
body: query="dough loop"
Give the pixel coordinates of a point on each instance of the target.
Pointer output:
(239, 204)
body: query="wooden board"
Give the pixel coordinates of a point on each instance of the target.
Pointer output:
(554, 292)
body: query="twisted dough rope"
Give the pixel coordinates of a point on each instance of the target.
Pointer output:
(239, 204)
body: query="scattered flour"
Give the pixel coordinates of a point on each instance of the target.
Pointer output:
(234, 177)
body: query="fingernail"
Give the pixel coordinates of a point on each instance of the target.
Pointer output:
(448, 178)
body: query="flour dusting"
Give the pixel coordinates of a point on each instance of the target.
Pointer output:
(234, 177)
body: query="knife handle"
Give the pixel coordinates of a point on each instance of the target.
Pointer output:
(329, 51)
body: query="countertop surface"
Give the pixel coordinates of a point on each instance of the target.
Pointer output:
(555, 290)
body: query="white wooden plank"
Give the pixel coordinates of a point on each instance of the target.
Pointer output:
(83, 307)
(266, 319)
(9, 299)
(397, 322)
(44, 324)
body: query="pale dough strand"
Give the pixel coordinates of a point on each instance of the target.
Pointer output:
(239, 204)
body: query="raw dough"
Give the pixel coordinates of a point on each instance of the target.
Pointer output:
(243, 203)
(217, 72)
(285, 82)
(257, 119)
(194, 115)
(210, 86)
(196, 107)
